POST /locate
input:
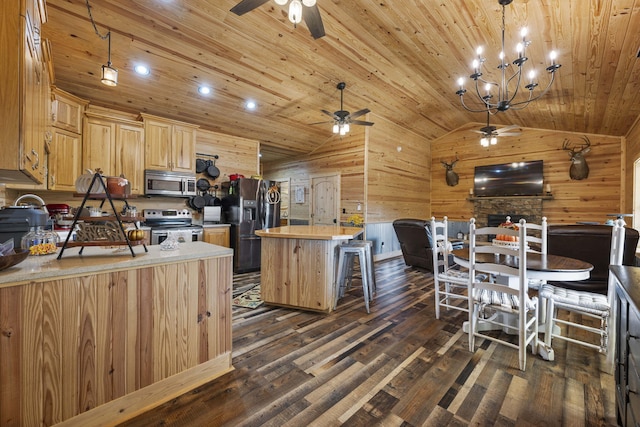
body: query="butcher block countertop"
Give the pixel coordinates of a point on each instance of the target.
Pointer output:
(312, 232)
(95, 259)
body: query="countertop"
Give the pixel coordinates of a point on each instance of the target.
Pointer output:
(312, 232)
(95, 259)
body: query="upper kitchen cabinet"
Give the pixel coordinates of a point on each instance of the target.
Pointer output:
(67, 110)
(65, 153)
(169, 145)
(114, 143)
(24, 98)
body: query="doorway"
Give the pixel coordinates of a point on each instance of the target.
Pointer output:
(325, 200)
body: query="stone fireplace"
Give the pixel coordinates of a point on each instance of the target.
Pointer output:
(498, 208)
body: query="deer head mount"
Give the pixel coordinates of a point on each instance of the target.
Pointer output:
(452, 177)
(579, 168)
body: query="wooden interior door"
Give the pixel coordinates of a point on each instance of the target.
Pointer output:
(325, 197)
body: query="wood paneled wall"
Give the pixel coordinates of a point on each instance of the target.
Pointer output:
(344, 155)
(590, 199)
(632, 153)
(397, 173)
(236, 155)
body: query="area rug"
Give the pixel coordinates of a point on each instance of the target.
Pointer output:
(249, 299)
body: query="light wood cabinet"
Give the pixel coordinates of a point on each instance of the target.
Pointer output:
(24, 96)
(169, 145)
(115, 145)
(67, 110)
(65, 160)
(65, 153)
(217, 236)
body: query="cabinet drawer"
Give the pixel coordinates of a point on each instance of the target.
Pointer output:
(633, 403)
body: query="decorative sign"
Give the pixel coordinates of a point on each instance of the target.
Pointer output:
(299, 194)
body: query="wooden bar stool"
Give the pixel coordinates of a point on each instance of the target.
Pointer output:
(344, 275)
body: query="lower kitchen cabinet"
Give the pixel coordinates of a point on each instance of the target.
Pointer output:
(217, 236)
(627, 373)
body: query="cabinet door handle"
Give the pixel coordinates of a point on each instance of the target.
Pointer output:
(36, 164)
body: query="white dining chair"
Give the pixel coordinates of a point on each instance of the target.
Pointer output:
(536, 239)
(450, 282)
(583, 304)
(503, 301)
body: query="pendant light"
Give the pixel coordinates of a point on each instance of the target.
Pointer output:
(109, 73)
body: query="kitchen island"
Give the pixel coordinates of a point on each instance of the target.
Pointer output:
(298, 264)
(98, 338)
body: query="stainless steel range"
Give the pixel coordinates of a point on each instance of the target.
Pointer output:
(171, 222)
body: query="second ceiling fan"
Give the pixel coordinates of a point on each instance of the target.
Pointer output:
(342, 119)
(298, 10)
(491, 133)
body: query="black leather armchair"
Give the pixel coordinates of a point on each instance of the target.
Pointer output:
(414, 236)
(590, 243)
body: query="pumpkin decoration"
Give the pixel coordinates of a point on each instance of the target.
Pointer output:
(507, 238)
(135, 235)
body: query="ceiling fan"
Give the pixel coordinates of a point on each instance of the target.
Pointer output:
(490, 133)
(342, 118)
(298, 10)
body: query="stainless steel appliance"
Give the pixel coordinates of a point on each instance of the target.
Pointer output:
(16, 220)
(172, 184)
(252, 204)
(212, 214)
(171, 222)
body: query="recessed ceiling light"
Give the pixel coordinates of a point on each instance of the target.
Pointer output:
(251, 105)
(143, 70)
(204, 90)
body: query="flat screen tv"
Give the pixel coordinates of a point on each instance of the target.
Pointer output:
(509, 179)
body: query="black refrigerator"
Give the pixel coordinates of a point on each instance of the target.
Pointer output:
(252, 204)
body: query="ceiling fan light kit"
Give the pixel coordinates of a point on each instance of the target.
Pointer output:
(306, 10)
(342, 119)
(501, 95)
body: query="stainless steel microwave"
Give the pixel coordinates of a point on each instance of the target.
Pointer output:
(172, 184)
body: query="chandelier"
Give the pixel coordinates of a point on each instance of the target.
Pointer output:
(295, 8)
(501, 95)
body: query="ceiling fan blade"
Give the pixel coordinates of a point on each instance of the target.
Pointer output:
(332, 115)
(508, 128)
(478, 131)
(246, 6)
(322, 123)
(311, 16)
(359, 113)
(361, 123)
(508, 133)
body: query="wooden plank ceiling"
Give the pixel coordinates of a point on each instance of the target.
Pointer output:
(400, 59)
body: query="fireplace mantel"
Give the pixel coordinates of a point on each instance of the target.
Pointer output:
(473, 199)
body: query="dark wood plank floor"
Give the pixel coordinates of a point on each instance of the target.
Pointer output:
(397, 366)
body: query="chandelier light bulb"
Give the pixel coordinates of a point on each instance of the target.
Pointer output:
(487, 87)
(532, 75)
(281, 2)
(309, 3)
(553, 55)
(484, 142)
(461, 82)
(479, 51)
(336, 128)
(343, 131)
(475, 64)
(295, 11)
(494, 140)
(523, 32)
(346, 127)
